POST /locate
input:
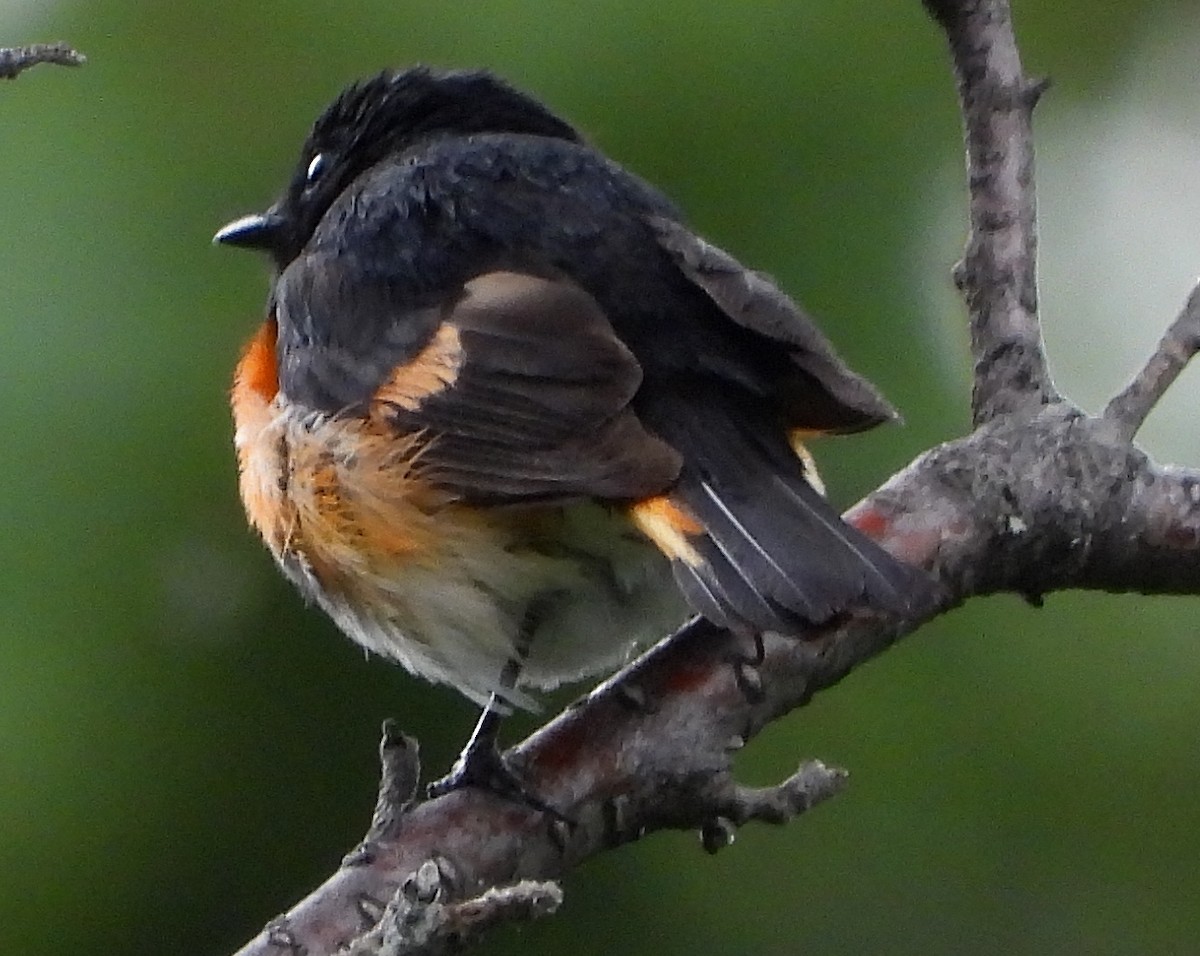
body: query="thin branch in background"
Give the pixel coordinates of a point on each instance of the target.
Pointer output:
(1181, 341)
(17, 59)
(998, 271)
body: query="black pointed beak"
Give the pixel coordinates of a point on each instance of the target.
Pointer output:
(259, 231)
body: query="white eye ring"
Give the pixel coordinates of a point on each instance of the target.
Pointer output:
(315, 168)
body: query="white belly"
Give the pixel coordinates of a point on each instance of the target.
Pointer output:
(579, 608)
(450, 593)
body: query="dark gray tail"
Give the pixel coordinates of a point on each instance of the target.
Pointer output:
(775, 555)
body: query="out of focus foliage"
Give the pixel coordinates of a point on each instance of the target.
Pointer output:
(186, 748)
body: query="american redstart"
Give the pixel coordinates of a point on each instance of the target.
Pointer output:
(502, 394)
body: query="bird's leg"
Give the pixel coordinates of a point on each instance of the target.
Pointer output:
(480, 763)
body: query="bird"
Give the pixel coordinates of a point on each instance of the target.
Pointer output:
(508, 418)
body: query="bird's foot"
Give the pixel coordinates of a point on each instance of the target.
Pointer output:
(483, 767)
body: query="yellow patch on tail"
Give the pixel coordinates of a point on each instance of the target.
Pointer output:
(669, 526)
(796, 438)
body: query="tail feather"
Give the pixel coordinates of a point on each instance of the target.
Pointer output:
(773, 554)
(734, 580)
(697, 585)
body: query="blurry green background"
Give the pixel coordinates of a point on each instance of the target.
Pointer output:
(185, 749)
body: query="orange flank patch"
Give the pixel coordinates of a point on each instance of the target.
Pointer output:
(260, 461)
(334, 491)
(434, 369)
(669, 526)
(340, 496)
(359, 498)
(257, 371)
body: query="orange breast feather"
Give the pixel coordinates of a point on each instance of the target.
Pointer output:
(260, 448)
(342, 493)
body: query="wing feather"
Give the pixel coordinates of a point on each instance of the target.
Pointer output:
(539, 405)
(822, 392)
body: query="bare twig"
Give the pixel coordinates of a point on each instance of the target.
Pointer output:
(998, 272)
(398, 756)
(1129, 409)
(15, 60)
(418, 921)
(813, 783)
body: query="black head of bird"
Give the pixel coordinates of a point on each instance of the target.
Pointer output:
(377, 118)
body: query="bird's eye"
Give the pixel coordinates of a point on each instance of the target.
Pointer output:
(315, 167)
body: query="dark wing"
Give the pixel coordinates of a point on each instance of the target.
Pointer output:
(343, 329)
(820, 392)
(773, 552)
(523, 390)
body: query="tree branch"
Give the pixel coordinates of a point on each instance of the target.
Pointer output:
(1038, 497)
(1182, 340)
(998, 273)
(16, 60)
(651, 748)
